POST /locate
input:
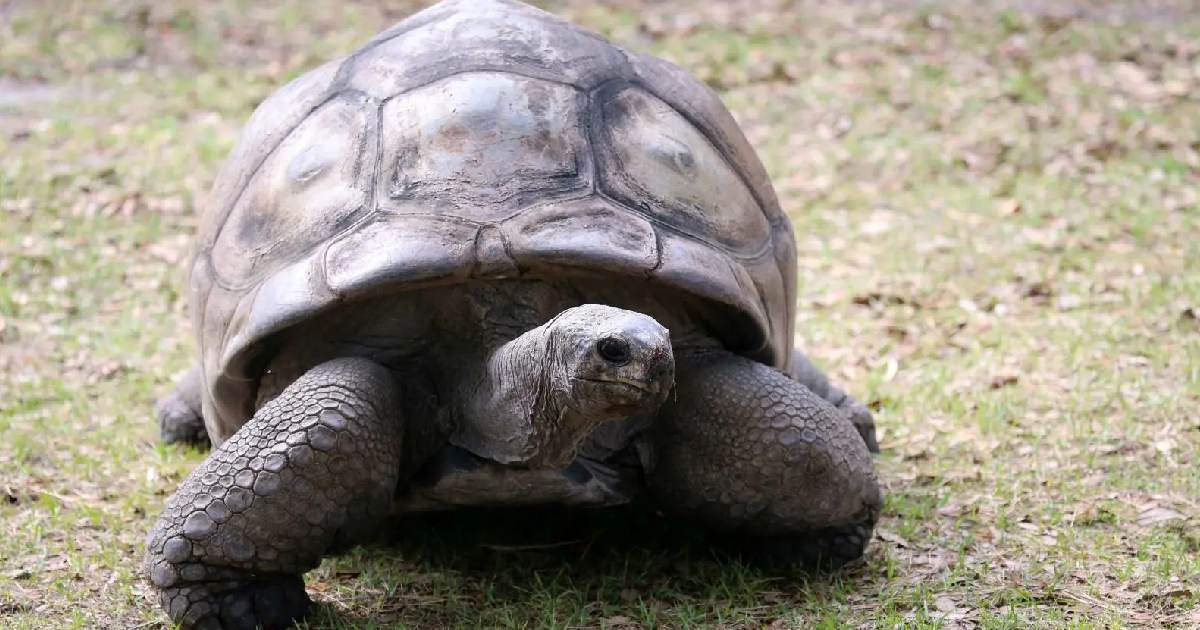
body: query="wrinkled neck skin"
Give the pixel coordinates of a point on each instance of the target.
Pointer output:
(517, 409)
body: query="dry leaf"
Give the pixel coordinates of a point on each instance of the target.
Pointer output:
(618, 621)
(1003, 379)
(952, 510)
(892, 537)
(1067, 302)
(1158, 514)
(1008, 208)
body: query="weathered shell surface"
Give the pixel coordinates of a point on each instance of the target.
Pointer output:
(473, 140)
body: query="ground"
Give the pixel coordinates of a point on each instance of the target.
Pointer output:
(997, 207)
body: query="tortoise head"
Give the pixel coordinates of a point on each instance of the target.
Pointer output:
(546, 390)
(609, 363)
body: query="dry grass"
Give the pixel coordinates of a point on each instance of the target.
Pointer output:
(998, 211)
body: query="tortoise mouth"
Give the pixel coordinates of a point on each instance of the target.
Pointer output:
(654, 389)
(621, 384)
(625, 397)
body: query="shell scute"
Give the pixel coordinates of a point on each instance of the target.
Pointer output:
(399, 248)
(315, 183)
(474, 35)
(652, 158)
(477, 144)
(591, 232)
(272, 121)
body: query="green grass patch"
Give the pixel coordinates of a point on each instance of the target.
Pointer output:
(997, 214)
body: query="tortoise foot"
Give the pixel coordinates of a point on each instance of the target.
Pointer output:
(179, 418)
(823, 550)
(276, 602)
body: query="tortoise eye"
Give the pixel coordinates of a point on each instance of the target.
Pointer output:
(614, 350)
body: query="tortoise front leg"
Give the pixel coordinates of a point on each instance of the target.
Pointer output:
(315, 469)
(748, 451)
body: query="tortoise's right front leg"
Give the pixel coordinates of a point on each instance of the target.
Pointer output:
(315, 469)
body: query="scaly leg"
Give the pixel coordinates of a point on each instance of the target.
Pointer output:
(178, 412)
(748, 451)
(811, 376)
(314, 470)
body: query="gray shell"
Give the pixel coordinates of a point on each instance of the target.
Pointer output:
(476, 140)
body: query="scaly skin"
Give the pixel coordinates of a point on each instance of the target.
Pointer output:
(748, 451)
(809, 375)
(315, 469)
(179, 419)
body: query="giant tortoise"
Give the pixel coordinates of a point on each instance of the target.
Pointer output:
(490, 258)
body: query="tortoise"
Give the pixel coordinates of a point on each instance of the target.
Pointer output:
(492, 259)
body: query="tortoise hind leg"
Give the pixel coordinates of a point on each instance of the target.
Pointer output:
(314, 470)
(811, 376)
(748, 451)
(179, 417)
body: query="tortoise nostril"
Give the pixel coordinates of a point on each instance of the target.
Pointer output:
(614, 350)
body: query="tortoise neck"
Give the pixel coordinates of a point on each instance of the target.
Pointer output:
(509, 404)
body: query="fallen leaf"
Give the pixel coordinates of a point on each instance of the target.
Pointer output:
(618, 621)
(892, 368)
(1165, 445)
(952, 510)
(892, 537)
(1067, 302)
(1002, 380)
(1008, 208)
(1158, 514)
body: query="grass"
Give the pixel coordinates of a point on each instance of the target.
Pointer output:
(998, 216)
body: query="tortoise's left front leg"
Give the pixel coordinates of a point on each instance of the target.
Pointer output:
(748, 451)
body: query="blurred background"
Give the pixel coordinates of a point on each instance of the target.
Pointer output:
(997, 208)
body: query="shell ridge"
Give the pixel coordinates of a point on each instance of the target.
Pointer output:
(756, 255)
(372, 202)
(658, 254)
(477, 69)
(505, 245)
(202, 310)
(350, 64)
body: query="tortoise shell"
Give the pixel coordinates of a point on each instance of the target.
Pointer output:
(481, 140)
